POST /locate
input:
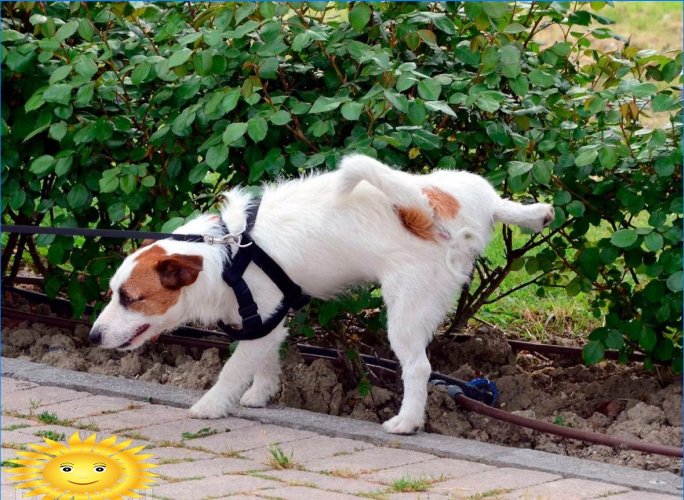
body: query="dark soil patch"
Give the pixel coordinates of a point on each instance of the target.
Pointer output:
(607, 398)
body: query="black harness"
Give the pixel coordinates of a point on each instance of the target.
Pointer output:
(253, 326)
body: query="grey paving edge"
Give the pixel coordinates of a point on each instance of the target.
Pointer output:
(444, 446)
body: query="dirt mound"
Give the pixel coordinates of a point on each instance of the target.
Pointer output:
(607, 398)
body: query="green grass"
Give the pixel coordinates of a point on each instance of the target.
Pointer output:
(409, 485)
(528, 315)
(207, 431)
(49, 418)
(55, 436)
(279, 460)
(651, 25)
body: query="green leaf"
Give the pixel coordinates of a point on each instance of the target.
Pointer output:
(674, 282)
(495, 10)
(359, 16)
(233, 132)
(78, 196)
(42, 165)
(446, 25)
(66, 30)
(179, 57)
(624, 238)
(542, 170)
(63, 165)
(59, 93)
(653, 241)
(541, 78)
(429, 89)
(509, 56)
(647, 339)
(517, 168)
(644, 89)
(85, 67)
(520, 85)
(58, 131)
(217, 155)
(17, 199)
(323, 104)
(86, 29)
(352, 110)
(280, 117)
(440, 106)
(586, 158)
(614, 340)
(514, 28)
(608, 156)
(60, 74)
(257, 128)
(575, 208)
(140, 73)
(593, 352)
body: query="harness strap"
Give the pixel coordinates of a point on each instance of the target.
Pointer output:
(253, 327)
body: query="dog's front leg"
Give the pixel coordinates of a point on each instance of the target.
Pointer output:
(250, 358)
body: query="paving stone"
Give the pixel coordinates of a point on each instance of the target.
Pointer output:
(313, 448)
(207, 468)
(16, 437)
(438, 469)
(324, 481)
(215, 486)
(419, 495)
(8, 454)
(369, 460)
(258, 436)
(642, 495)
(57, 429)
(172, 432)
(566, 489)
(504, 479)
(304, 493)
(11, 493)
(90, 406)
(172, 453)
(134, 419)
(11, 385)
(30, 400)
(7, 422)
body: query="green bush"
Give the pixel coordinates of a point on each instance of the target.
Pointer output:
(130, 116)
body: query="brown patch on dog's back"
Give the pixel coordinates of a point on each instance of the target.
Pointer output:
(444, 205)
(417, 222)
(157, 278)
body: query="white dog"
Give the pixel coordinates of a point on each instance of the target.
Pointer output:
(415, 235)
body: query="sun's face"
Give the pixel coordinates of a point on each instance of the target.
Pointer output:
(84, 470)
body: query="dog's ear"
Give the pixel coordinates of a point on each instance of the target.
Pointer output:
(177, 271)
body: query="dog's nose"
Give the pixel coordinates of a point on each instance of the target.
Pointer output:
(95, 335)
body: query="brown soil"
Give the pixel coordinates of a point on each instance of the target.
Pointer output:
(607, 398)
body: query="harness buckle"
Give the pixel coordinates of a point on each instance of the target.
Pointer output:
(226, 239)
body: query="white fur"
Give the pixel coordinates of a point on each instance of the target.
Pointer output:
(328, 232)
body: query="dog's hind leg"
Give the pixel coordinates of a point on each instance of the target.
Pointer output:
(239, 371)
(416, 305)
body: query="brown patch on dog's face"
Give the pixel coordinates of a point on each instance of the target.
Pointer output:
(444, 205)
(156, 280)
(417, 222)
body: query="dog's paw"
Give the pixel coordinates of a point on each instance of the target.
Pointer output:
(544, 215)
(402, 425)
(256, 397)
(207, 407)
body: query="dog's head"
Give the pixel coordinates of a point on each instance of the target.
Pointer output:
(147, 292)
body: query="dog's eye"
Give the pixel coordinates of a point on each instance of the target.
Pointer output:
(126, 300)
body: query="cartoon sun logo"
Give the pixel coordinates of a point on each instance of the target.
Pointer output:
(83, 470)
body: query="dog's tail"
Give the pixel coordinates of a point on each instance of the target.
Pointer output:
(396, 185)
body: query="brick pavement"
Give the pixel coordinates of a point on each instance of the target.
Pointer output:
(232, 457)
